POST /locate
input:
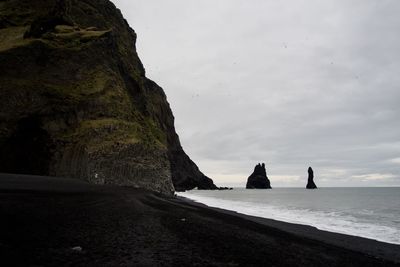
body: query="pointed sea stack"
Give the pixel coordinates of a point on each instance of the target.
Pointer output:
(310, 183)
(258, 179)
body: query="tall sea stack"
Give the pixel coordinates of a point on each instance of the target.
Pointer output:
(75, 100)
(258, 179)
(310, 183)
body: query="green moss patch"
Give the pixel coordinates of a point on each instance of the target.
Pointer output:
(102, 134)
(12, 37)
(69, 36)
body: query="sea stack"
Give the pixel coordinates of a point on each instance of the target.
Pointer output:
(258, 179)
(310, 183)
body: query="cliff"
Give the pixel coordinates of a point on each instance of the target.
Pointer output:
(75, 101)
(258, 179)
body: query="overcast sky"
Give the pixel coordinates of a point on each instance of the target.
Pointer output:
(289, 83)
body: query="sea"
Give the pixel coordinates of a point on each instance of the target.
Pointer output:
(367, 212)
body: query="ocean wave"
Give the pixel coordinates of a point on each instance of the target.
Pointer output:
(333, 221)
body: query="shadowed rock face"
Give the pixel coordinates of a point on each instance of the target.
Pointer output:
(310, 183)
(75, 101)
(258, 179)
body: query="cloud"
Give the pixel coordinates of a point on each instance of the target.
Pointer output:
(373, 177)
(292, 83)
(395, 160)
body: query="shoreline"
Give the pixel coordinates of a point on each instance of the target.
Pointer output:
(372, 247)
(59, 222)
(224, 203)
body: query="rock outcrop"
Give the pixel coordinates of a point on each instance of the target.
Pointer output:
(310, 182)
(258, 179)
(75, 101)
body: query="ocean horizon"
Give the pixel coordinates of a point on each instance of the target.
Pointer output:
(369, 212)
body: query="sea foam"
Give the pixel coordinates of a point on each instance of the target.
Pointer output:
(365, 222)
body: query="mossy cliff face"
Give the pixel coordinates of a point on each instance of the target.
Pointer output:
(75, 102)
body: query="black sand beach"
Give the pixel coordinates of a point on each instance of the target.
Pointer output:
(43, 219)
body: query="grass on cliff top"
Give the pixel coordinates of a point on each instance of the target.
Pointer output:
(62, 37)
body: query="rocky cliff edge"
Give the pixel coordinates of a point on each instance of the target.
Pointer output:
(75, 101)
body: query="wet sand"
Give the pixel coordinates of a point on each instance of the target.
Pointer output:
(59, 222)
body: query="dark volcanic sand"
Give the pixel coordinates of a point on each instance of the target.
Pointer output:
(43, 218)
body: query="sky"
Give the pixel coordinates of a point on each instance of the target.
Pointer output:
(290, 83)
